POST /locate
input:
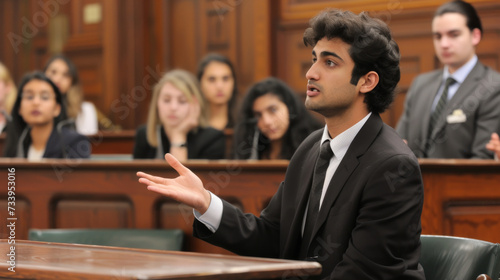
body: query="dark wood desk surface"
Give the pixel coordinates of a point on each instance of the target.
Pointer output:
(41, 260)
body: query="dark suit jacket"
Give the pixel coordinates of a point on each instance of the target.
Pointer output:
(64, 144)
(206, 143)
(369, 222)
(478, 98)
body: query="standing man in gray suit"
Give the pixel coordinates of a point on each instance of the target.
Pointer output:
(451, 113)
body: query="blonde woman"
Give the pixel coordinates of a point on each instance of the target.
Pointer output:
(7, 96)
(177, 122)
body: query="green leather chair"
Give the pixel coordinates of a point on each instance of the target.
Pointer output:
(448, 257)
(158, 239)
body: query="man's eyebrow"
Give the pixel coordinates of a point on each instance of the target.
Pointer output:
(446, 32)
(327, 53)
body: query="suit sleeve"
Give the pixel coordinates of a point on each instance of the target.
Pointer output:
(402, 127)
(244, 233)
(488, 119)
(386, 238)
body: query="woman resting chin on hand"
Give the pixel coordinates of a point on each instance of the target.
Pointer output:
(177, 122)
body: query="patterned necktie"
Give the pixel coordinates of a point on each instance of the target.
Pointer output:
(438, 111)
(315, 195)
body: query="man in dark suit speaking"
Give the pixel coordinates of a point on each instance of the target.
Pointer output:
(355, 206)
(451, 113)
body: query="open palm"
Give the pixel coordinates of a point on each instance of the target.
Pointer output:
(187, 188)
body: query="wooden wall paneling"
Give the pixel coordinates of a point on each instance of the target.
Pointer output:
(473, 219)
(254, 42)
(294, 58)
(111, 54)
(131, 46)
(156, 51)
(22, 213)
(88, 212)
(80, 26)
(184, 34)
(20, 33)
(460, 200)
(90, 71)
(219, 21)
(12, 43)
(487, 50)
(158, 42)
(305, 9)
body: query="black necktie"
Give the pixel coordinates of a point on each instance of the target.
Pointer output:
(315, 195)
(440, 106)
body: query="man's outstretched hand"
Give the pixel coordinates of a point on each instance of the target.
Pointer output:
(187, 188)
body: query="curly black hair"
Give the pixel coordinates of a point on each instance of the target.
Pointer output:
(371, 48)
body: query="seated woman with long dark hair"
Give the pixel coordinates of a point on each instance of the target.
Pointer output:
(218, 85)
(273, 122)
(37, 128)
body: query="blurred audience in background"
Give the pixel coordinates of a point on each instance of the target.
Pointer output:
(37, 129)
(7, 96)
(218, 85)
(273, 122)
(177, 122)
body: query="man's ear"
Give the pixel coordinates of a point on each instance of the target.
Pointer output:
(476, 36)
(368, 82)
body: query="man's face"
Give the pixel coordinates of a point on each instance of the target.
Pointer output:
(454, 42)
(329, 91)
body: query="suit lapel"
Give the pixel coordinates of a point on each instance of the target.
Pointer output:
(465, 90)
(358, 147)
(291, 250)
(433, 87)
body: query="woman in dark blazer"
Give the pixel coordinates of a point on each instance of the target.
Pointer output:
(177, 122)
(37, 129)
(272, 123)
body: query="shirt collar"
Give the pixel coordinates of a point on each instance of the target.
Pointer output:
(462, 72)
(341, 143)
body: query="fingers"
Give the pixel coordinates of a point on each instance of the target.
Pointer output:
(494, 136)
(149, 178)
(172, 161)
(195, 109)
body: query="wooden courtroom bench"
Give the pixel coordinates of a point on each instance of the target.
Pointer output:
(462, 197)
(121, 142)
(104, 194)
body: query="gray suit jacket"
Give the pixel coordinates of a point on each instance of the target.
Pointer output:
(470, 117)
(369, 223)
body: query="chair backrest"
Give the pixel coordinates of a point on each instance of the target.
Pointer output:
(158, 239)
(448, 257)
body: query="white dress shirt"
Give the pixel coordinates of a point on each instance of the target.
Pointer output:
(340, 144)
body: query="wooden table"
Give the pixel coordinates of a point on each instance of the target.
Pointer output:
(41, 260)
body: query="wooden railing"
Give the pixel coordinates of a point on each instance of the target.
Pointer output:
(462, 197)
